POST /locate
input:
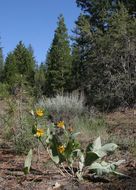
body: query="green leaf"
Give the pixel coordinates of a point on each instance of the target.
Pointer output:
(34, 129)
(90, 158)
(48, 136)
(74, 135)
(110, 147)
(102, 168)
(53, 150)
(105, 168)
(97, 143)
(95, 148)
(121, 174)
(119, 162)
(80, 155)
(55, 158)
(100, 150)
(71, 146)
(82, 160)
(27, 163)
(69, 149)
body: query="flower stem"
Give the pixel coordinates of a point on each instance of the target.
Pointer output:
(57, 166)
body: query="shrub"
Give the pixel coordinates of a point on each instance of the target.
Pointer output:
(17, 123)
(67, 107)
(4, 90)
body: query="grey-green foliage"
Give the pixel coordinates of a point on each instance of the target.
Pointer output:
(105, 167)
(63, 147)
(96, 150)
(68, 107)
(58, 61)
(95, 153)
(91, 158)
(27, 163)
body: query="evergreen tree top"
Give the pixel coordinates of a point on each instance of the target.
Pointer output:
(60, 32)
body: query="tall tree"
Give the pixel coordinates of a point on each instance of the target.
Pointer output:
(10, 70)
(58, 60)
(1, 65)
(19, 66)
(107, 54)
(40, 79)
(99, 12)
(25, 62)
(80, 51)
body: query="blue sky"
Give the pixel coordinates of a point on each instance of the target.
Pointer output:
(33, 22)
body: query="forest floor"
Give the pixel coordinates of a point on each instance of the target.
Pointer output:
(45, 176)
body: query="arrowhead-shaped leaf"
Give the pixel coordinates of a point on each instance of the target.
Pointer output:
(55, 158)
(28, 161)
(102, 168)
(110, 147)
(97, 144)
(100, 150)
(90, 158)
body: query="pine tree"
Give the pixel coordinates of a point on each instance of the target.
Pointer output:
(122, 35)
(108, 53)
(25, 62)
(58, 61)
(1, 65)
(99, 12)
(10, 70)
(80, 51)
(40, 79)
(19, 67)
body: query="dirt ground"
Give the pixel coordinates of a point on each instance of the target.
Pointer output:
(121, 125)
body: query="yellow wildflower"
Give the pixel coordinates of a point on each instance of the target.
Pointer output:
(39, 133)
(60, 124)
(39, 112)
(61, 149)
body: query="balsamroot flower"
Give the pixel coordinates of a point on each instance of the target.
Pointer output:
(39, 112)
(60, 124)
(61, 149)
(39, 133)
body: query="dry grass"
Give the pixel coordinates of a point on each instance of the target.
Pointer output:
(122, 129)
